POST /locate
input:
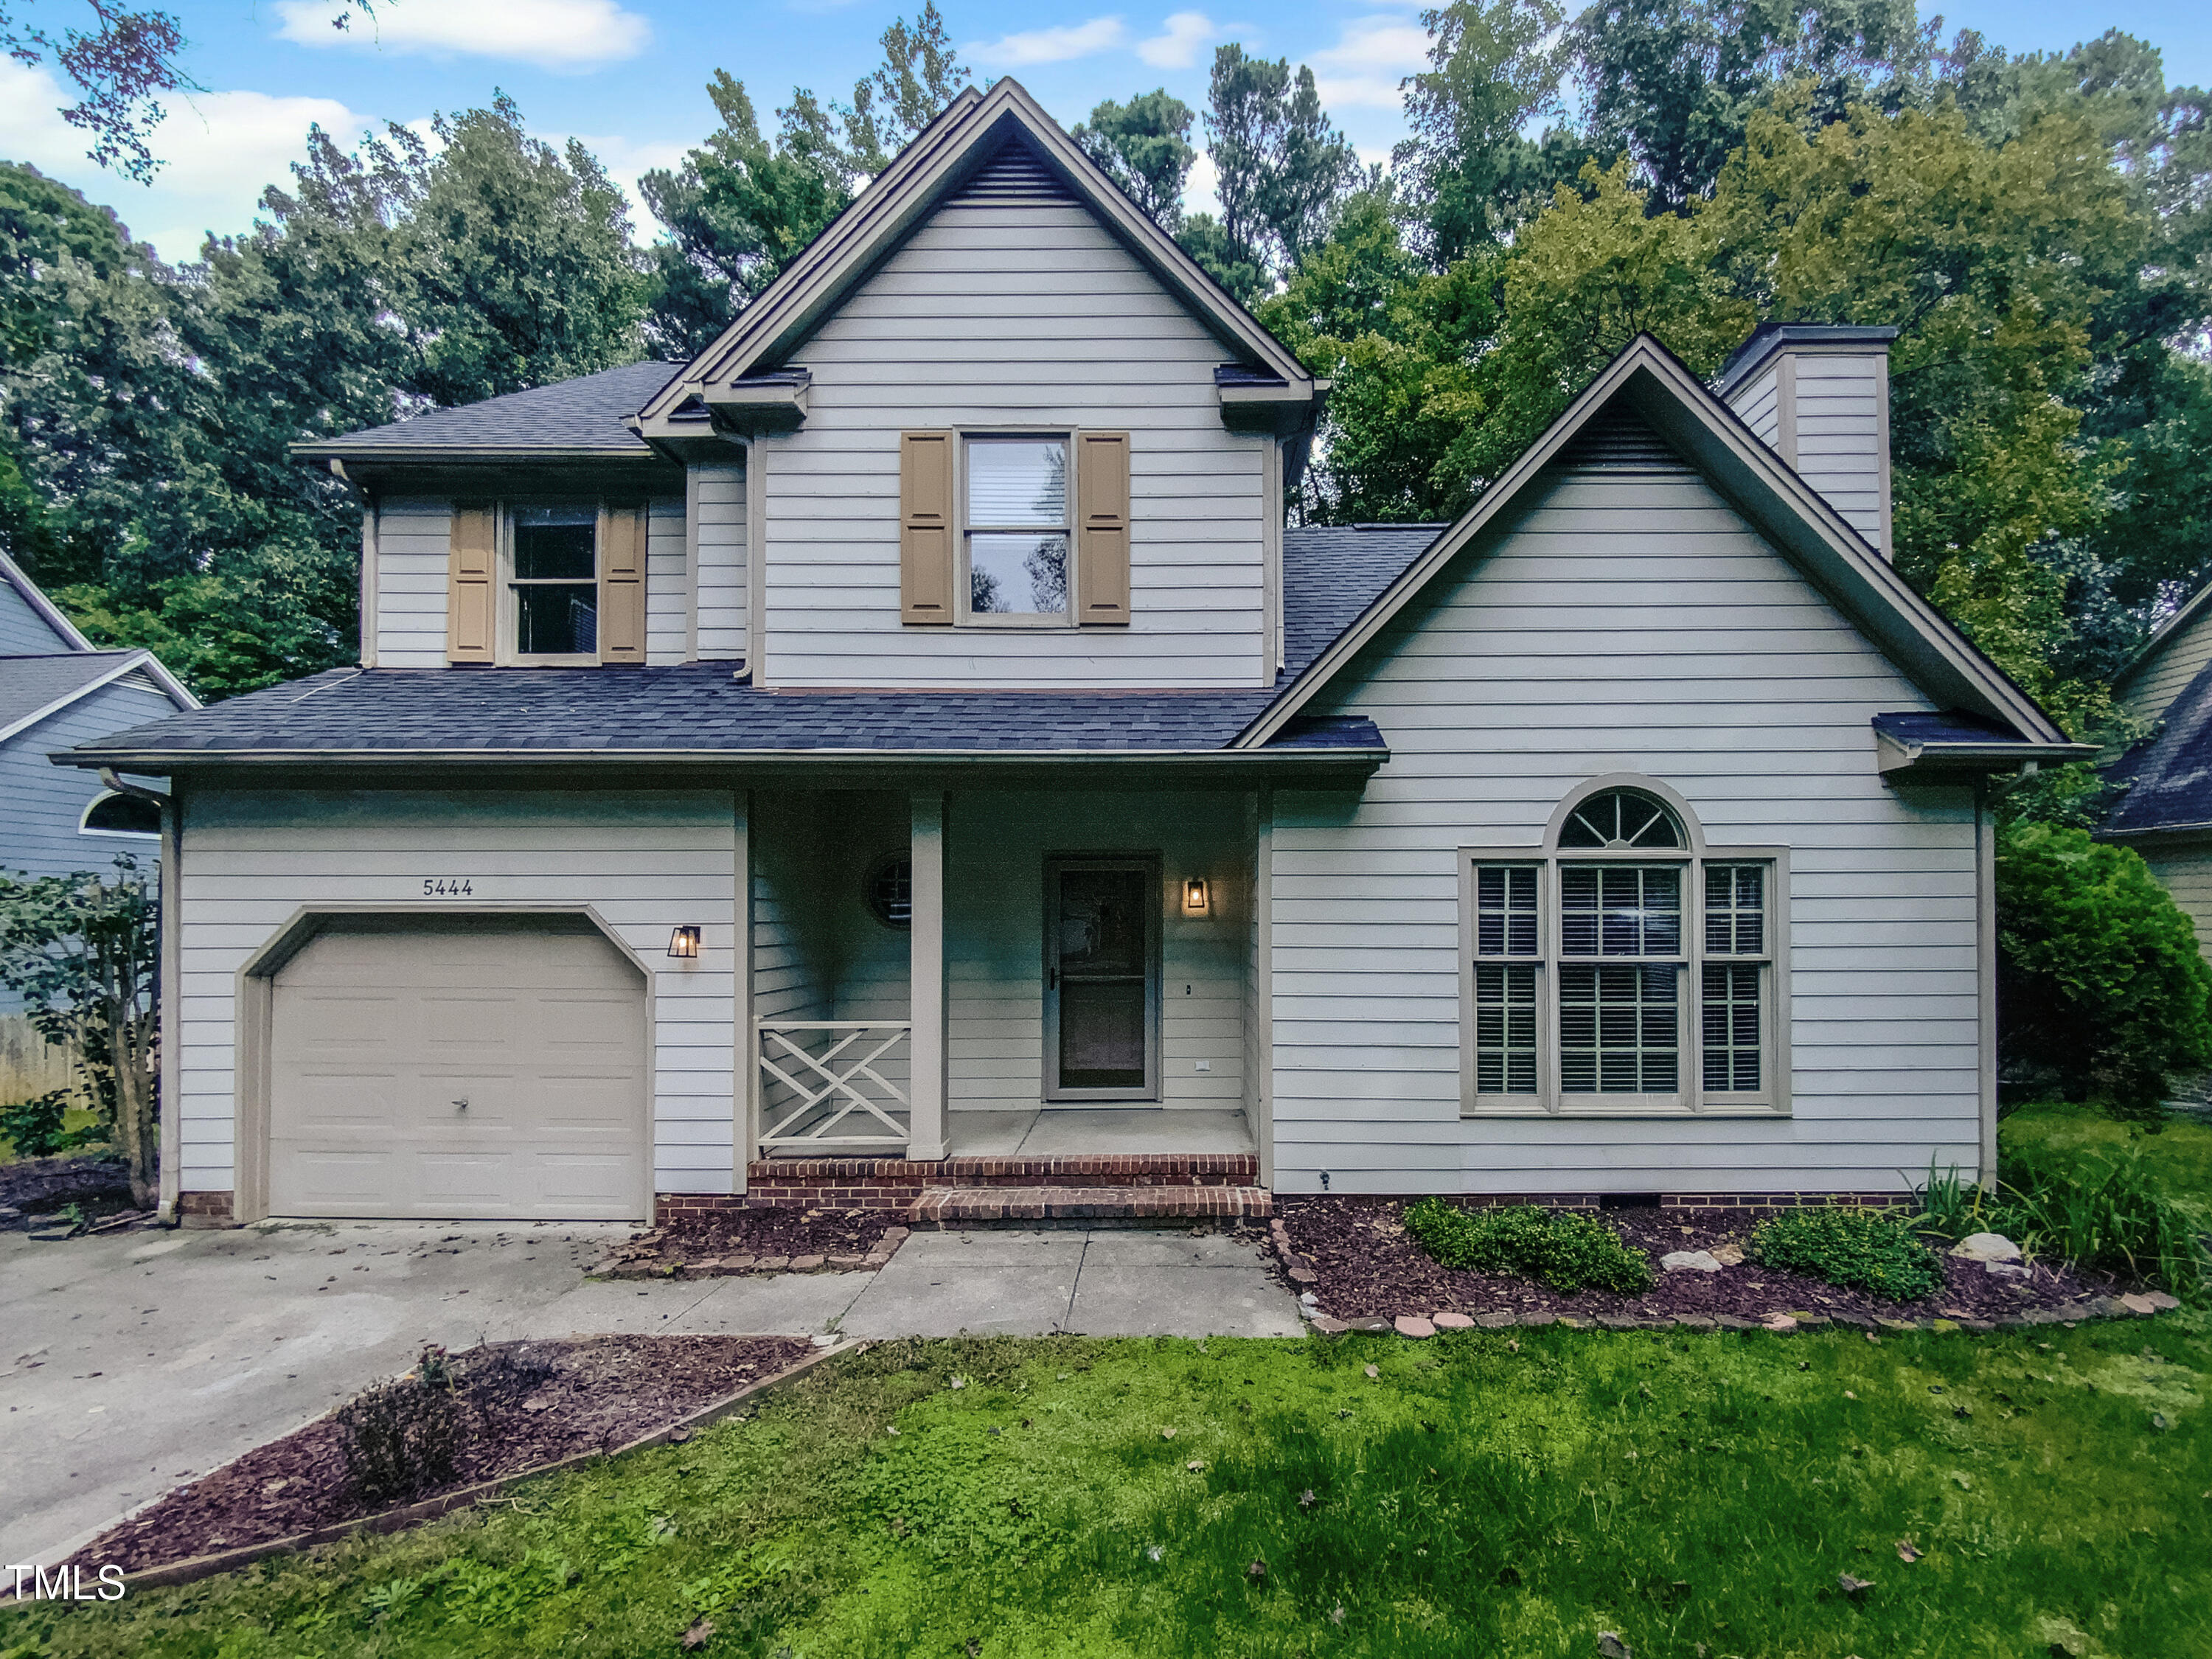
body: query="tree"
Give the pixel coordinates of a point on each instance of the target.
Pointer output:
(1281, 168)
(1492, 70)
(83, 953)
(122, 68)
(920, 76)
(1144, 146)
(738, 210)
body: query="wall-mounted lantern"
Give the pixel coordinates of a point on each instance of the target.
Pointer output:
(684, 941)
(1196, 900)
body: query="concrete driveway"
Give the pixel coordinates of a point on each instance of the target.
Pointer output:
(135, 1363)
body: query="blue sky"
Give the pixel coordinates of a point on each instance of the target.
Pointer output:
(628, 75)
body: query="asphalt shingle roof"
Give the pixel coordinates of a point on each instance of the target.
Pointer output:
(30, 683)
(585, 413)
(2169, 774)
(1332, 572)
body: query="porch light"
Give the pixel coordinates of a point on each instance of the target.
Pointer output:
(1194, 900)
(684, 941)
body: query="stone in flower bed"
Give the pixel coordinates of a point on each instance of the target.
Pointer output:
(1366, 1264)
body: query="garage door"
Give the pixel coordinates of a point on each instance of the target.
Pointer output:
(474, 1069)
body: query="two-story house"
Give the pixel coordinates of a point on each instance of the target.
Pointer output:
(901, 756)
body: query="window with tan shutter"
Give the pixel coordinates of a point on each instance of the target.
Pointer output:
(925, 527)
(621, 583)
(471, 623)
(1101, 475)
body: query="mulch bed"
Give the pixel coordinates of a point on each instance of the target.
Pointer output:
(761, 1241)
(528, 1403)
(35, 1186)
(1365, 1265)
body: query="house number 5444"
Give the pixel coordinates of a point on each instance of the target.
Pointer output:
(447, 887)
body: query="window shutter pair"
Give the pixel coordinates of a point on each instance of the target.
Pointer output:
(929, 528)
(472, 585)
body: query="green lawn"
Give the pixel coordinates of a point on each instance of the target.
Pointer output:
(1476, 1498)
(2178, 1155)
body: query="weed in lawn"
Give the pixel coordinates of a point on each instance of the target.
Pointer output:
(1566, 1250)
(1872, 1250)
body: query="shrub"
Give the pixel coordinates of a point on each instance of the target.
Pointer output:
(1564, 1249)
(401, 1438)
(1874, 1251)
(34, 1126)
(2101, 983)
(2108, 1215)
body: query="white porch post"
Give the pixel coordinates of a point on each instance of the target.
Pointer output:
(926, 977)
(745, 1118)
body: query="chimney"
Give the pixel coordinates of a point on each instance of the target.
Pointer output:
(1818, 395)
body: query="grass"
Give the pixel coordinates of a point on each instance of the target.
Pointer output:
(1495, 1493)
(2178, 1157)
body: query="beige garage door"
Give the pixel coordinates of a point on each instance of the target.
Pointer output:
(483, 1068)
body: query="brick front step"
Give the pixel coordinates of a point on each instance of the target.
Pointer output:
(949, 1205)
(854, 1183)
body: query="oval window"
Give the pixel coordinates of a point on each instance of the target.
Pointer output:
(889, 890)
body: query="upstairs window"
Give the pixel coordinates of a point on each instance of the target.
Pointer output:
(555, 582)
(1624, 968)
(1017, 527)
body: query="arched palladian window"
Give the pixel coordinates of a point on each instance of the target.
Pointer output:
(1625, 966)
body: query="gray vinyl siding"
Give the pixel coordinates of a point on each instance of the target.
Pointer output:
(2149, 691)
(414, 546)
(1625, 625)
(1757, 402)
(2184, 870)
(718, 497)
(1012, 316)
(23, 631)
(997, 844)
(1839, 426)
(794, 977)
(645, 862)
(667, 585)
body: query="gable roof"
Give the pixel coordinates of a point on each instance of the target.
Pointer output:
(66, 635)
(946, 156)
(2168, 775)
(586, 417)
(1649, 380)
(34, 689)
(2166, 633)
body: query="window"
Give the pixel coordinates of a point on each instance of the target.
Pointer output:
(1624, 967)
(113, 814)
(1016, 528)
(556, 581)
(888, 891)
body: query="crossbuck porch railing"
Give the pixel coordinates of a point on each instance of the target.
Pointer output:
(823, 1087)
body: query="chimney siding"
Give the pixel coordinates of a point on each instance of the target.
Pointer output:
(1819, 397)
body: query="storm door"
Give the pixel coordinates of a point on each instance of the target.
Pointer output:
(1101, 995)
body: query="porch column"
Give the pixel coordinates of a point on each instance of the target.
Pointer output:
(926, 977)
(745, 1122)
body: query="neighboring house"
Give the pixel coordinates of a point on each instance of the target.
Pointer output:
(2166, 813)
(56, 692)
(902, 755)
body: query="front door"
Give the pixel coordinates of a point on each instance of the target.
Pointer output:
(1102, 978)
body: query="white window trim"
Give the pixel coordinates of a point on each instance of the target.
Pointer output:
(507, 652)
(1063, 622)
(1694, 1100)
(84, 826)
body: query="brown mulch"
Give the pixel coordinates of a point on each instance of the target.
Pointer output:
(528, 1403)
(39, 1186)
(762, 1240)
(1366, 1264)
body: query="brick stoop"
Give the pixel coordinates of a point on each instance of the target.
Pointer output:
(954, 1206)
(854, 1183)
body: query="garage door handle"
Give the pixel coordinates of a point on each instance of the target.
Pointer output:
(463, 1104)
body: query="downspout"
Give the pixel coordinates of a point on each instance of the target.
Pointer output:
(171, 879)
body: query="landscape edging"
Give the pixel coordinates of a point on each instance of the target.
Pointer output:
(428, 1509)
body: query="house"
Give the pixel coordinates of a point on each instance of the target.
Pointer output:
(2165, 810)
(55, 691)
(901, 757)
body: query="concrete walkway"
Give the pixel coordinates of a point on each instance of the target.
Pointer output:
(137, 1361)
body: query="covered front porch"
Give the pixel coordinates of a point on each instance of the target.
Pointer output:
(1000, 977)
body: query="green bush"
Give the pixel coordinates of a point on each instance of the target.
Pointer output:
(2101, 984)
(2107, 1215)
(1564, 1249)
(1874, 1250)
(34, 1126)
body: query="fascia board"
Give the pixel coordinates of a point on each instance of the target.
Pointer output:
(797, 301)
(2166, 632)
(166, 761)
(48, 611)
(1800, 521)
(468, 454)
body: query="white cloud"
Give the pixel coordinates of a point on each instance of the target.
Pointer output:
(1179, 40)
(555, 34)
(1055, 46)
(1368, 62)
(220, 149)
(1201, 192)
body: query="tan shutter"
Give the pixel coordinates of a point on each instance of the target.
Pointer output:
(1101, 528)
(925, 527)
(621, 583)
(470, 619)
